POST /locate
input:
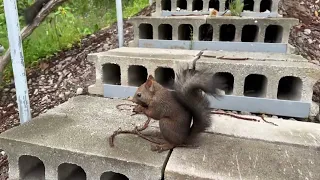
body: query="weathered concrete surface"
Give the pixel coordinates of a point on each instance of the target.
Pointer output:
(77, 132)
(222, 157)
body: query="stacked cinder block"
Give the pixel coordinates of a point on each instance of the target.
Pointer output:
(213, 33)
(251, 52)
(256, 8)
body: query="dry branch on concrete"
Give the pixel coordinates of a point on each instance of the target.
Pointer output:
(27, 31)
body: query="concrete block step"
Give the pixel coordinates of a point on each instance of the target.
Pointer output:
(71, 142)
(197, 7)
(271, 83)
(255, 32)
(227, 158)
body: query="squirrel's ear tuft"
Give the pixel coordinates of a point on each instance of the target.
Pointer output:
(150, 77)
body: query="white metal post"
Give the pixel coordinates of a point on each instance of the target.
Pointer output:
(119, 22)
(17, 58)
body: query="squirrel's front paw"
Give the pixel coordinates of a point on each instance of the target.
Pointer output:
(138, 109)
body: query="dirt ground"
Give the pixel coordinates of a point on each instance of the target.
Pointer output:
(70, 73)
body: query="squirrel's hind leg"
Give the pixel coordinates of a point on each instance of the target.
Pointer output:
(154, 138)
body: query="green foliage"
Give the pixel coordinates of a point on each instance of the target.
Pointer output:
(66, 26)
(236, 7)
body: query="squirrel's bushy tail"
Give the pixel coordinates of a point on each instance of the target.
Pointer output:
(189, 85)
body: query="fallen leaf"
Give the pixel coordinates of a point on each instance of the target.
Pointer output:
(316, 13)
(43, 66)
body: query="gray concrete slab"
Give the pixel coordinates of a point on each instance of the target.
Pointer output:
(77, 132)
(227, 158)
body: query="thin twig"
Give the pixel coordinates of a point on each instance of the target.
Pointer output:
(232, 58)
(262, 117)
(236, 116)
(124, 104)
(136, 129)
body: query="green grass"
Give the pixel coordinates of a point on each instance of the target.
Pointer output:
(55, 35)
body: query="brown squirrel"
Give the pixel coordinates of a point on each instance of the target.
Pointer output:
(176, 109)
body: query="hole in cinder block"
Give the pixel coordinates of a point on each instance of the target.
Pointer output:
(227, 32)
(249, 33)
(214, 4)
(197, 5)
(227, 3)
(182, 4)
(67, 171)
(205, 32)
(165, 76)
(255, 85)
(248, 5)
(31, 168)
(137, 75)
(113, 176)
(273, 34)
(185, 32)
(289, 88)
(145, 31)
(111, 74)
(165, 31)
(265, 5)
(229, 80)
(166, 5)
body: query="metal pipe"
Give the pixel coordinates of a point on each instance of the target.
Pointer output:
(17, 58)
(119, 22)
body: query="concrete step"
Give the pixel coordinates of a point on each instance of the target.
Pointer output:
(228, 158)
(71, 142)
(72, 139)
(271, 83)
(230, 33)
(194, 7)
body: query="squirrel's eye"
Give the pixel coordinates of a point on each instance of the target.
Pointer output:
(139, 94)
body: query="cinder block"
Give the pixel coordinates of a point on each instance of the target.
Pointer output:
(229, 158)
(169, 28)
(286, 78)
(230, 29)
(282, 83)
(252, 8)
(71, 142)
(131, 66)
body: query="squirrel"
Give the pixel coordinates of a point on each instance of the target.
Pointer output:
(32, 11)
(176, 109)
